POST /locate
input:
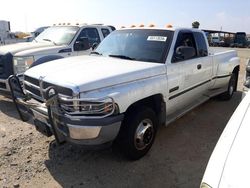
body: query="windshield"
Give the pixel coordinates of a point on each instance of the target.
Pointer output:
(137, 44)
(58, 35)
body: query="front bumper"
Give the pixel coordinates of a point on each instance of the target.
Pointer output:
(50, 120)
(81, 131)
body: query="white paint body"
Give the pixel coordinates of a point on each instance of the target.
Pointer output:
(128, 81)
(229, 163)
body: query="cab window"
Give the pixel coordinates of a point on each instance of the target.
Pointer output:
(91, 34)
(105, 32)
(184, 39)
(201, 44)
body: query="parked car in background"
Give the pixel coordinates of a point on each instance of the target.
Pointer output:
(136, 80)
(216, 41)
(54, 43)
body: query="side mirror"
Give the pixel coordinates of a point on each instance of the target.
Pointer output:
(185, 52)
(82, 44)
(94, 46)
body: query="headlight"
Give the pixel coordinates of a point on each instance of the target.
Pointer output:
(89, 107)
(204, 185)
(21, 64)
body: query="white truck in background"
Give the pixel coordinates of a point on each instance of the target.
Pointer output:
(136, 80)
(54, 43)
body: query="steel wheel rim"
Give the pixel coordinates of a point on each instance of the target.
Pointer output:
(144, 134)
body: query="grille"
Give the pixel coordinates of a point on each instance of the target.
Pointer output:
(31, 80)
(100, 107)
(32, 87)
(33, 90)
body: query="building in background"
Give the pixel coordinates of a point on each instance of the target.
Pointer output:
(4, 30)
(8, 37)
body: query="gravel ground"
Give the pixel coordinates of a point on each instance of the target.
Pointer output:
(178, 157)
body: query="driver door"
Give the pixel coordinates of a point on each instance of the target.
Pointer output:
(87, 33)
(189, 90)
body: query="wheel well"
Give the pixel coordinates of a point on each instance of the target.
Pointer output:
(236, 71)
(155, 102)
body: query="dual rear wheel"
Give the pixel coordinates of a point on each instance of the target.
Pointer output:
(231, 88)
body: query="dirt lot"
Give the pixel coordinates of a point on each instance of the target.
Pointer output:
(177, 159)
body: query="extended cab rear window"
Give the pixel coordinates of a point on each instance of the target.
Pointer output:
(148, 45)
(201, 44)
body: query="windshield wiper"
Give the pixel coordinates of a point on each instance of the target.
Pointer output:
(95, 52)
(122, 57)
(50, 41)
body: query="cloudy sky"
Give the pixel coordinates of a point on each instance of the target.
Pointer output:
(26, 15)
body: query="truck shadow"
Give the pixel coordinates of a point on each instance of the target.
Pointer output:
(7, 107)
(178, 157)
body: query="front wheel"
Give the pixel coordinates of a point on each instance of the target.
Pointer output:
(137, 133)
(231, 88)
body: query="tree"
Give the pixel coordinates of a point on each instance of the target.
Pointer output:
(196, 24)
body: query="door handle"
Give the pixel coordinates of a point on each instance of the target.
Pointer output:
(199, 66)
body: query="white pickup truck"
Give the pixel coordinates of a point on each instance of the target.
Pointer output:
(135, 80)
(54, 43)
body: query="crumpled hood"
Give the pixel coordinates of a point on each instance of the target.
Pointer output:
(19, 47)
(85, 73)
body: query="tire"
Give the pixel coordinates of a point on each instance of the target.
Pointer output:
(137, 133)
(231, 88)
